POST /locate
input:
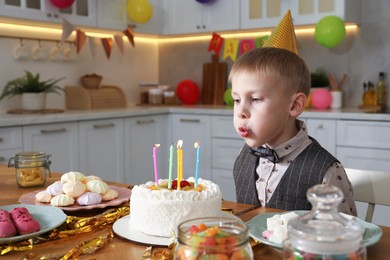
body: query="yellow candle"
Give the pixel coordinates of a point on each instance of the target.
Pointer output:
(179, 163)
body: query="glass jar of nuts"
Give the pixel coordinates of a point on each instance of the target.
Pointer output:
(30, 168)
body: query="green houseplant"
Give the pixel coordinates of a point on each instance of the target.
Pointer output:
(32, 90)
(319, 78)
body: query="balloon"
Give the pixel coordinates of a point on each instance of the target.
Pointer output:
(330, 31)
(321, 98)
(204, 1)
(188, 92)
(139, 11)
(227, 97)
(62, 3)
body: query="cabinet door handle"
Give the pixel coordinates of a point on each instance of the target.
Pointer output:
(2, 159)
(187, 120)
(1, 139)
(53, 131)
(143, 122)
(320, 126)
(103, 125)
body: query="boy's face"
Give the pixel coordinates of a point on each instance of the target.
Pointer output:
(261, 109)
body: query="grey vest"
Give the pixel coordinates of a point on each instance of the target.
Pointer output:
(290, 194)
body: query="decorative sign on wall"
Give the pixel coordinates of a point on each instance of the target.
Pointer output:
(107, 43)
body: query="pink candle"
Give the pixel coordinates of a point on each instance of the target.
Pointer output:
(155, 163)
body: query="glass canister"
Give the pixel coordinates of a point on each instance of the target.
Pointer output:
(30, 168)
(213, 238)
(324, 233)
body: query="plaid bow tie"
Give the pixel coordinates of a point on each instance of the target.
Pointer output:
(265, 152)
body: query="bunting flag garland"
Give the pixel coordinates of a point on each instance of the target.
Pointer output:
(93, 42)
(247, 45)
(67, 29)
(107, 45)
(130, 35)
(119, 42)
(216, 44)
(80, 40)
(260, 41)
(231, 48)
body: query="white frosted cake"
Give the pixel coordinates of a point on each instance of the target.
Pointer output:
(158, 211)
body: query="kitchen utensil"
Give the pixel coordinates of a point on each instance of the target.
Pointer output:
(214, 82)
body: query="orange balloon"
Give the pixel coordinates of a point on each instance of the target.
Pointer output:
(139, 11)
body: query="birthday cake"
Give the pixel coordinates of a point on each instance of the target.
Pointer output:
(157, 210)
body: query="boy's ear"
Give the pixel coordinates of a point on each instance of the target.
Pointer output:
(298, 105)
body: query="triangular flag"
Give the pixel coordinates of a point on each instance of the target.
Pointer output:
(67, 29)
(230, 49)
(107, 45)
(130, 35)
(119, 41)
(93, 42)
(260, 41)
(216, 44)
(283, 36)
(80, 40)
(247, 45)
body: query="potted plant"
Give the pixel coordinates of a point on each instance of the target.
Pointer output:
(319, 79)
(32, 90)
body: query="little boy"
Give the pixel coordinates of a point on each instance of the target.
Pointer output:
(279, 161)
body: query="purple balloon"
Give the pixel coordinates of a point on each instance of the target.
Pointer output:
(204, 1)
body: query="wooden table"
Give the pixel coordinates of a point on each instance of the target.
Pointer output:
(122, 249)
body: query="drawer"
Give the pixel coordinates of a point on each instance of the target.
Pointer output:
(10, 137)
(5, 155)
(225, 181)
(364, 158)
(222, 126)
(225, 152)
(363, 134)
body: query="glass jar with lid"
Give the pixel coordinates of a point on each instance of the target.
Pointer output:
(324, 233)
(213, 238)
(30, 168)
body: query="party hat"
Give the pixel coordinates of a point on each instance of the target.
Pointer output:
(283, 36)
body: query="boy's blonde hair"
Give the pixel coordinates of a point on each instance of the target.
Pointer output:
(275, 62)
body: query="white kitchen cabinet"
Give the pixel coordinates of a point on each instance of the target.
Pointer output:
(141, 133)
(192, 128)
(10, 143)
(324, 131)
(82, 12)
(189, 16)
(60, 140)
(262, 13)
(111, 14)
(102, 148)
(306, 12)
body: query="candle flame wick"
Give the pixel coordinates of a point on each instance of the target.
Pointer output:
(196, 144)
(156, 145)
(179, 144)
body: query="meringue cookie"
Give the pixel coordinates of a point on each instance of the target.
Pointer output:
(91, 178)
(89, 198)
(55, 188)
(97, 186)
(43, 196)
(62, 200)
(74, 188)
(110, 194)
(72, 176)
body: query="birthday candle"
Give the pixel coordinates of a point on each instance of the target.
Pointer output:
(179, 163)
(155, 163)
(197, 146)
(170, 166)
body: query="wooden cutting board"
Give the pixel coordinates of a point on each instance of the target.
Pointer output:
(214, 82)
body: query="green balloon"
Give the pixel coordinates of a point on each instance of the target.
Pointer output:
(330, 31)
(227, 97)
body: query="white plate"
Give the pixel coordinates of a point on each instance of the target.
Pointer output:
(123, 196)
(123, 229)
(258, 224)
(48, 217)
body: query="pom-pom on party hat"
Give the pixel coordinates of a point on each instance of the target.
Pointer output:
(283, 36)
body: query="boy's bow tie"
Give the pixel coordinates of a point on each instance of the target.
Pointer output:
(265, 152)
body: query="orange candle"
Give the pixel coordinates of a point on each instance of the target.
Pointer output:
(179, 163)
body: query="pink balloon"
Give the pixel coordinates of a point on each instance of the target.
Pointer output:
(62, 3)
(321, 98)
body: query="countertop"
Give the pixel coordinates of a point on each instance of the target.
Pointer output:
(7, 119)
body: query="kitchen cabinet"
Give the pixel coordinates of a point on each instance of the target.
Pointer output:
(60, 140)
(141, 133)
(102, 149)
(188, 16)
(268, 13)
(192, 128)
(10, 143)
(324, 131)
